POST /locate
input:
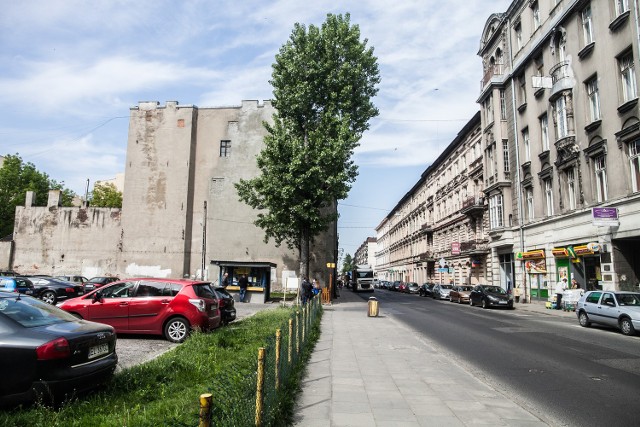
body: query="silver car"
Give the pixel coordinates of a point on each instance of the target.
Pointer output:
(618, 309)
(441, 291)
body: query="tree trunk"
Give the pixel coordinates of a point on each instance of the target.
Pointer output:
(304, 254)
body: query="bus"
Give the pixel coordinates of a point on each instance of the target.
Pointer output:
(362, 279)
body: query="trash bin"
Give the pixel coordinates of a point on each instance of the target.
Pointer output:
(373, 307)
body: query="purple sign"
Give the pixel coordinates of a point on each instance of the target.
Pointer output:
(604, 213)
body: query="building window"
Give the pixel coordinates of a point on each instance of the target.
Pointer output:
(522, 92)
(225, 148)
(634, 160)
(548, 192)
(495, 211)
(526, 145)
(529, 199)
(488, 110)
(594, 99)
(561, 117)
(601, 178)
(505, 153)
(628, 77)
(587, 25)
(503, 105)
(518, 30)
(535, 9)
(490, 161)
(571, 188)
(544, 132)
(621, 6)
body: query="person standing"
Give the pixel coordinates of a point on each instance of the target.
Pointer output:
(243, 283)
(306, 290)
(225, 280)
(560, 287)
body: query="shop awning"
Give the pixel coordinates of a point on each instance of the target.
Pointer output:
(535, 254)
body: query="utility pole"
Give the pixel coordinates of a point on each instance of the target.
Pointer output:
(204, 240)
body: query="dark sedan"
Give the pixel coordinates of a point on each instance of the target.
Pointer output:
(490, 296)
(226, 305)
(426, 289)
(98, 282)
(48, 354)
(51, 290)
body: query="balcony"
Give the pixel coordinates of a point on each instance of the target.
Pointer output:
(493, 70)
(474, 247)
(426, 228)
(473, 206)
(561, 77)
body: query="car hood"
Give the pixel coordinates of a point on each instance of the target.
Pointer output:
(497, 295)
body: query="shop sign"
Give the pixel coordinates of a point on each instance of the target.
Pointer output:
(535, 254)
(605, 216)
(455, 248)
(560, 252)
(536, 266)
(582, 250)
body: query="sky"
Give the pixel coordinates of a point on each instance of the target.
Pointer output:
(72, 69)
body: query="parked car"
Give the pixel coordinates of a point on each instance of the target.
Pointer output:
(97, 282)
(402, 287)
(168, 307)
(51, 290)
(226, 304)
(617, 309)
(490, 296)
(412, 288)
(72, 278)
(426, 289)
(460, 294)
(16, 284)
(441, 291)
(395, 285)
(47, 353)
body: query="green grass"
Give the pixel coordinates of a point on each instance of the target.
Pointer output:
(165, 391)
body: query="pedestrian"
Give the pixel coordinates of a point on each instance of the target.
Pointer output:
(575, 284)
(243, 283)
(560, 287)
(316, 287)
(225, 280)
(306, 290)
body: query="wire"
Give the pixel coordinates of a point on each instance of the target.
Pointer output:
(363, 207)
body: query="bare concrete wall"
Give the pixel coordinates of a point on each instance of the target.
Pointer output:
(5, 255)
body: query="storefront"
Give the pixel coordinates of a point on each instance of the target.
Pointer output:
(258, 274)
(580, 262)
(535, 268)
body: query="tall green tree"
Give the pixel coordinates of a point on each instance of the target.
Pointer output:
(18, 177)
(347, 264)
(324, 79)
(106, 196)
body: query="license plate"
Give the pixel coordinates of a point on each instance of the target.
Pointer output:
(29, 292)
(502, 302)
(98, 350)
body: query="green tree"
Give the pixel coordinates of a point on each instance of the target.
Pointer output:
(324, 80)
(106, 196)
(16, 178)
(347, 264)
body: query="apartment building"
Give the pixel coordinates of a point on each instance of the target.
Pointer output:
(366, 253)
(561, 143)
(437, 231)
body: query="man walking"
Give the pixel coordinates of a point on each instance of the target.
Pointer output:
(243, 283)
(306, 290)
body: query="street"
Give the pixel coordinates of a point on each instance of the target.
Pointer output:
(565, 374)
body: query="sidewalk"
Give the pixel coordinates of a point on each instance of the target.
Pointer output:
(364, 372)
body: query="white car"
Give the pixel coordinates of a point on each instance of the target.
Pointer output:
(618, 309)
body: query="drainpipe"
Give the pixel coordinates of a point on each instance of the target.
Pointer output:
(518, 183)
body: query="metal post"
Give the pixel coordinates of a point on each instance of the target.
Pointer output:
(297, 332)
(259, 386)
(205, 410)
(204, 241)
(290, 349)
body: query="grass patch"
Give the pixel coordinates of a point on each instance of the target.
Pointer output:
(165, 391)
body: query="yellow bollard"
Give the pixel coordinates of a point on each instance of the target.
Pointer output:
(290, 340)
(278, 338)
(297, 332)
(373, 307)
(205, 410)
(304, 323)
(260, 385)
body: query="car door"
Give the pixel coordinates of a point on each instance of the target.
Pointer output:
(591, 305)
(608, 309)
(112, 305)
(148, 306)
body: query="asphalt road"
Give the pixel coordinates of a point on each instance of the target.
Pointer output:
(565, 374)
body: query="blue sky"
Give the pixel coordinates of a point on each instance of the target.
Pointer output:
(71, 70)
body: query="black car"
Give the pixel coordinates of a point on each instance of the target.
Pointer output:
(98, 282)
(490, 296)
(16, 284)
(426, 289)
(226, 305)
(48, 354)
(51, 290)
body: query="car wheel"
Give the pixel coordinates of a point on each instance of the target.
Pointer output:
(450, 298)
(626, 326)
(459, 300)
(485, 304)
(49, 297)
(176, 330)
(470, 302)
(584, 319)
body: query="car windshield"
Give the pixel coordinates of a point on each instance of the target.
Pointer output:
(31, 312)
(223, 292)
(495, 290)
(204, 290)
(465, 288)
(628, 299)
(446, 286)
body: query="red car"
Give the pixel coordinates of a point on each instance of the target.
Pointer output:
(169, 307)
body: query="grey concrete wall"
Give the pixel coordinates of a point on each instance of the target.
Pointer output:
(6, 249)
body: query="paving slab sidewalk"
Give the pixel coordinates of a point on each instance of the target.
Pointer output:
(365, 372)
